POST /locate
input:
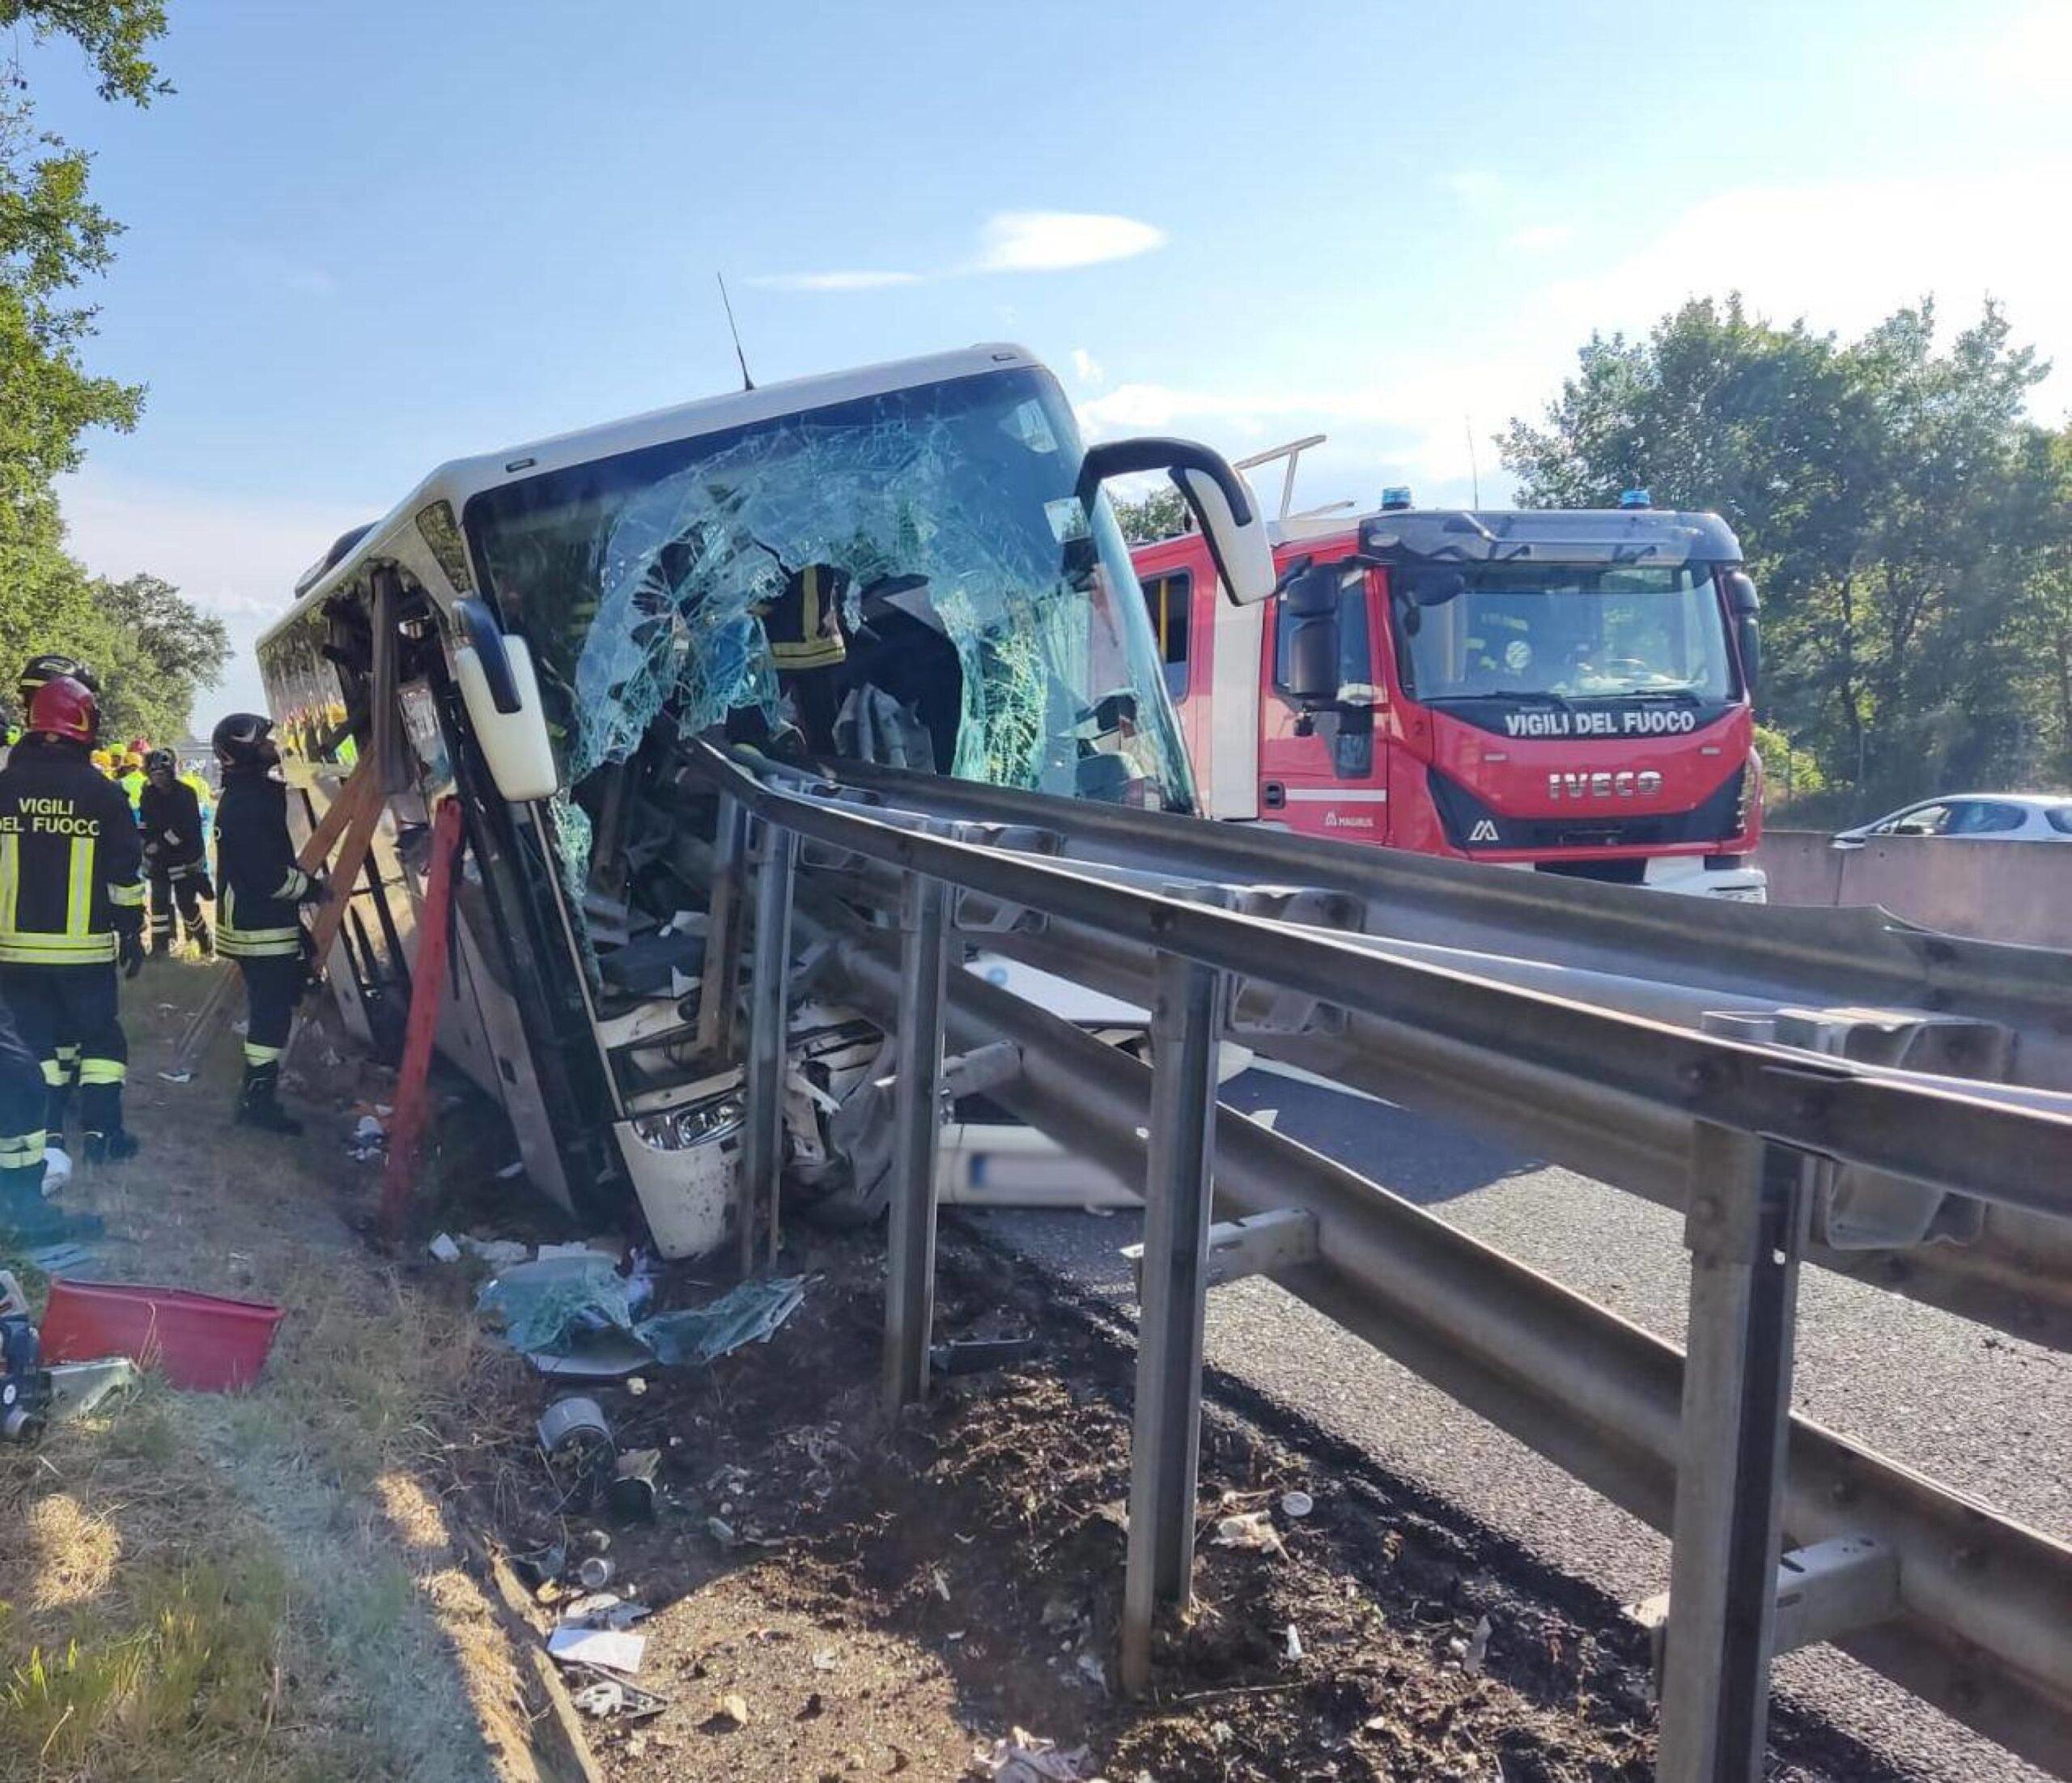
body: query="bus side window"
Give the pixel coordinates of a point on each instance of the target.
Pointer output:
(1169, 598)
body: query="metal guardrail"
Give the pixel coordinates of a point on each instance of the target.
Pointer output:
(1963, 1605)
(1865, 978)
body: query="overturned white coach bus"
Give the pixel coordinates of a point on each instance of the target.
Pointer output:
(910, 563)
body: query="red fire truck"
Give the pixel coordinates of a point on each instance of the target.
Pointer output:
(1567, 691)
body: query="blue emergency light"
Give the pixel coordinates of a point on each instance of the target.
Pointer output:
(1395, 497)
(1634, 498)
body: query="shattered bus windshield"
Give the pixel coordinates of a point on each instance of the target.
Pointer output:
(907, 578)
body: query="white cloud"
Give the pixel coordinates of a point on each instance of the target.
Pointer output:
(1025, 241)
(236, 560)
(849, 281)
(1009, 241)
(1543, 237)
(1087, 369)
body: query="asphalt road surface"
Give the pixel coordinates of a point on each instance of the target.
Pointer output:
(1975, 1410)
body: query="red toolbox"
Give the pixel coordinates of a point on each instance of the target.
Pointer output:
(199, 1341)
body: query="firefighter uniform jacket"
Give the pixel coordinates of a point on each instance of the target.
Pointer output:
(255, 861)
(70, 855)
(804, 623)
(171, 820)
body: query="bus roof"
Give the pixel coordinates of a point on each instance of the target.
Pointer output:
(395, 536)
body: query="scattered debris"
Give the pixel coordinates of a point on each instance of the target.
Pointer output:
(579, 1450)
(1297, 1505)
(595, 1573)
(511, 1171)
(58, 1259)
(56, 1168)
(497, 1252)
(1023, 1758)
(606, 1697)
(824, 1660)
(541, 1568)
(545, 1304)
(369, 1139)
(1251, 1529)
(974, 1355)
(1477, 1649)
(77, 1388)
(631, 1493)
(749, 1313)
(635, 1385)
(612, 1649)
(1294, 1648)
(177, 1077)
(444, 1248)
(732, 1710)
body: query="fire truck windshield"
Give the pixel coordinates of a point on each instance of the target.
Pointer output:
(1567, 633)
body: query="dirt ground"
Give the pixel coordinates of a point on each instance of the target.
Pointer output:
(879, 1600)
(295, 1583)
(261, 1586)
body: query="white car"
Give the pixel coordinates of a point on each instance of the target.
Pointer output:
(1975, 817)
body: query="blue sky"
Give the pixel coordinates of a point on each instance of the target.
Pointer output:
(364, 240)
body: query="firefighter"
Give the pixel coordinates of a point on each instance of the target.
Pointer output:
(257, 918)
(130, 778)
(175, 853)
(71, 906)
(34, 673)
(52, 663)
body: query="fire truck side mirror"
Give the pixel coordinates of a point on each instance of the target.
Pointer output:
(502, 693)
(1309, 621)
(1744, 603)
(1231, 521)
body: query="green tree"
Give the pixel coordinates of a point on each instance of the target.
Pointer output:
(1893, 502)
(1160, 514)
(164, 650)
(53, 237)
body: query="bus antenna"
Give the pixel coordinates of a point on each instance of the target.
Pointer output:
(748, 383)
(1474, 468)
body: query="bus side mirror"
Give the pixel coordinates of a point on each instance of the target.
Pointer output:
(502, 693)
(1230, 519)
(1743, 602)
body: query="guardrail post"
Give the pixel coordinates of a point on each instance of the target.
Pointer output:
(1186, 1026)
(762, 1142)
(909, 1287)
(1745, 1227)
(723, 927)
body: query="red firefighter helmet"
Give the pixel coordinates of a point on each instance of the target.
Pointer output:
(64, 707)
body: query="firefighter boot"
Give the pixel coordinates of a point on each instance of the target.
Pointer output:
(259, 1101)
(197, 936)
(113, 1146)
